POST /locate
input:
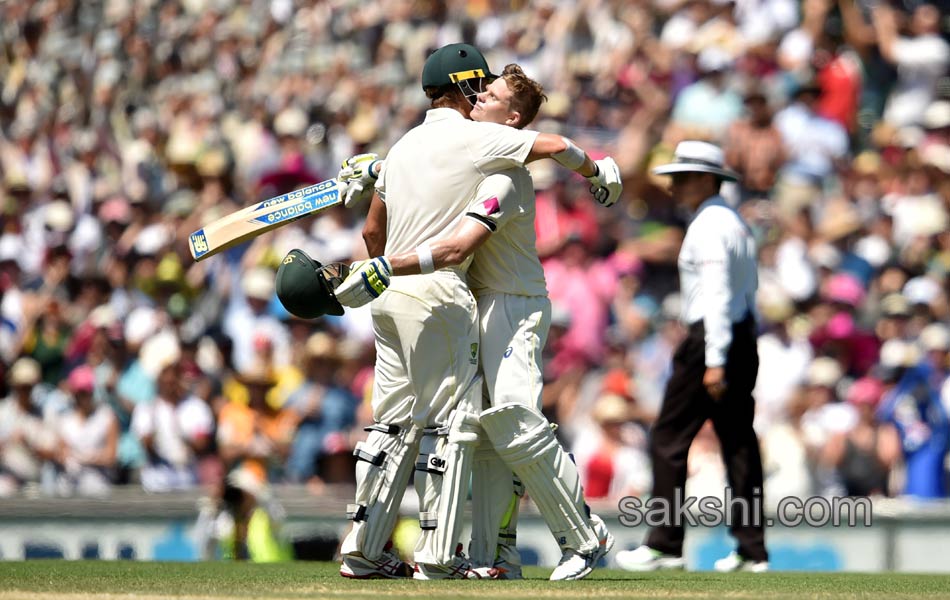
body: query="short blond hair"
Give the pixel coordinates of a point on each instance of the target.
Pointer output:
(526, 94)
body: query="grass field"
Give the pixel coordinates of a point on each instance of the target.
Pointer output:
(33, 580)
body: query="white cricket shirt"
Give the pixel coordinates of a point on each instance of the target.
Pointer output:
(430, 176)
(718, 274)
(508, 261)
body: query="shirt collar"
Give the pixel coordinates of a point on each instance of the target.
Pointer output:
(716, 200)
(441, 114)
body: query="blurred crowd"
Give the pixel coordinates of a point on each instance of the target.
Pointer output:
(126, 125)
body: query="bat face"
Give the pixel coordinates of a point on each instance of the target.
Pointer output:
(254, 220)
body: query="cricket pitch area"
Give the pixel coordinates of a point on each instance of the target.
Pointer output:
(114, 580)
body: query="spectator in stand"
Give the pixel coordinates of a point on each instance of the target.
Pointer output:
(814, 145)
(864, 455)
(252, 434)
(784, 356)
(753, 147)
(611, 457)
(704, 109)
(914, 408)
(571, 276)
(25, 440)
(823, 417)
(921, 59)
(175, 427)
(787, 459)
(322, 406)
(247, 319)
(88, 437)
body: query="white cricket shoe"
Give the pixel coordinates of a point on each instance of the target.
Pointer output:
(387, 566)
(460, 568)
(735, 562)
(646, 558)
(574, 565)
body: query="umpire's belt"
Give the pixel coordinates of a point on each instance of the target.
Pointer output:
(747, 323)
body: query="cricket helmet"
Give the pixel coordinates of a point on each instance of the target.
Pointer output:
(305, 286)
(454, 64)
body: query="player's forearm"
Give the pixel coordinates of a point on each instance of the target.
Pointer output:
(447, 252)
(564, 151)
(444, 254)
(374, 230)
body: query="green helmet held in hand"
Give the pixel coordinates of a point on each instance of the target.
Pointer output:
(305, 286)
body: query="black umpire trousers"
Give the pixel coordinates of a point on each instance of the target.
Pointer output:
(686, 406)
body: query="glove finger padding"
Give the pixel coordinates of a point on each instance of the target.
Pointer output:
(607, 185)
(359, 176)
(366, 281)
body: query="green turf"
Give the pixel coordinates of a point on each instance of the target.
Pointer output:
(61, 579)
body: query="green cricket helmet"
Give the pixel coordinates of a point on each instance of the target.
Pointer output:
(305, 286)
(459, 64)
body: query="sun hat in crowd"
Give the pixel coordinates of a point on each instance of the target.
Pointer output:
(839, 219)
(81, 379)
(258, 283)
(59, 216)
(865, 391)
(921, 290)
(823, 372)
(25, 371)
(895, 305)
(697, 157)
(323, 346)
(844, 288)
(937, 115)
(611, 408)
(935, 337)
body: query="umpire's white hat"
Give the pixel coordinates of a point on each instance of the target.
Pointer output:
(697, 157)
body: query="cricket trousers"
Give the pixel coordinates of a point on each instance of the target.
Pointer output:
(686, 406)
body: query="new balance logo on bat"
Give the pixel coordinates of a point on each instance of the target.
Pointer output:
(293, 211)
(198, 243)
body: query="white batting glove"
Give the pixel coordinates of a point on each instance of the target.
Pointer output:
(359, 174)
(366, 281)
(605, 184)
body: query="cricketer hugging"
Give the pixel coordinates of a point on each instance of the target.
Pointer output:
(460, 314)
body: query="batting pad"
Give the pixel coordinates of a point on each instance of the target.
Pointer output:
(523, 439)
(443, 472)
(494, 505)
(384, 463)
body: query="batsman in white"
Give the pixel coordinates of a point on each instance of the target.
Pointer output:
(514, 317)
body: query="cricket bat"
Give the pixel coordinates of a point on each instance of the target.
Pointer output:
(252, 221)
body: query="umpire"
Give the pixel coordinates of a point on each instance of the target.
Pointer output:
(714, 368)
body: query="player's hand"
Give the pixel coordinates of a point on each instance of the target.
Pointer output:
(605, 184)
(366, 281)
(359, 174)
(715, 382)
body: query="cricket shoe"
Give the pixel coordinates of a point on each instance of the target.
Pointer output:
(387, 566)
(460, 568)
(736, 562)
(507, 555)
(574, 565)
(646, 558)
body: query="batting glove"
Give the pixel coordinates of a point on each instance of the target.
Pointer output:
(359, 174)
(366, 281)
(605, 184)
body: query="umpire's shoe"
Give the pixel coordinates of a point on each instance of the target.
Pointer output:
(387, 566)
(578, 566)
(645, 558)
